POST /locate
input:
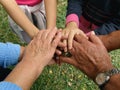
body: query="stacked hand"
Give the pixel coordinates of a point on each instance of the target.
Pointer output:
(42, 48)
(70, 31)
(90, 56)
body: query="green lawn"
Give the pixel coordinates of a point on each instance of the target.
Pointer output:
(64, 77)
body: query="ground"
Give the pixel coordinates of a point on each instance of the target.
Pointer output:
(55, 77)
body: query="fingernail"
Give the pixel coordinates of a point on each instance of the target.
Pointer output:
(55, 28)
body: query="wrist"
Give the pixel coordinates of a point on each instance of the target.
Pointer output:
(102, 70)
(107, 78)
(37, 66)
(34, 33)
(72, 18)
(72, 25)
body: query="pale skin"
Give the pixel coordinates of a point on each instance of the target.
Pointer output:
(14, 11)
(19, 17)
(31, 66)
(51, 11)
(92, 63)
(107, 40)
(70, 31)
(58, 52)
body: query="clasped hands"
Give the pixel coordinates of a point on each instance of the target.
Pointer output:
(87, 53)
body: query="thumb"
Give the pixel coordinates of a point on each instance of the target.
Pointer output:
(93, 38)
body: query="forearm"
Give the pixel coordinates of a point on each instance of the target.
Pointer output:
(24, 74)
(72, 24)
(74, 11)
(113, 84)
(19, 17)
(111, 41)
(51, 11)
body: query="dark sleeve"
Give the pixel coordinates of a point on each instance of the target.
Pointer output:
(109, 27)
(74, 7)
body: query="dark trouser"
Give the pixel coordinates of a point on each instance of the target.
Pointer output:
(4, 72)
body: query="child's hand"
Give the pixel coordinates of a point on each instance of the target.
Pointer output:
(70, 31)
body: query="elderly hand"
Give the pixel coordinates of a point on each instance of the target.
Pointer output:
(42, 48)
(89, 56)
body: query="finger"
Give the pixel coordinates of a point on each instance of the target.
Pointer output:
(61, 45)
(68, 60)
(65, 33)
(70, 40)
(59, 30)
(64, 38)
(52, 34)
(82, 33)
(56, 39)
(38, 35)
(80, 38)
(45, 34)
(76, 46)
(58, 52)
(52, 62)
(65, 43)
(93, 38)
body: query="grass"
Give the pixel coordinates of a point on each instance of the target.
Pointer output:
(64, 77)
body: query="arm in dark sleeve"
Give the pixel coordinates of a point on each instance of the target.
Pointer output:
(109, 27)
(74, 7)
(74, 11)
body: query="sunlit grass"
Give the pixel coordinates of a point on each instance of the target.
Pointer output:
(64, 77)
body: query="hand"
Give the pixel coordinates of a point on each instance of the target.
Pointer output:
(89, 56)
(42, 48)
(91, 32)
(61, 45)
(70, 31)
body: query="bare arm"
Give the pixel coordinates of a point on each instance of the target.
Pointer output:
(19, 17)
(113, 84)
(111, 41)
(31, 66)
(92, 63)
(51, 11)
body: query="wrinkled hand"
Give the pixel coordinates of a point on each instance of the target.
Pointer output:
(42, 48)
(70, 31)
(89, 56)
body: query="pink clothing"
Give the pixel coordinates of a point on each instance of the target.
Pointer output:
(83, 24)
(72, 17)
(28, 2)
